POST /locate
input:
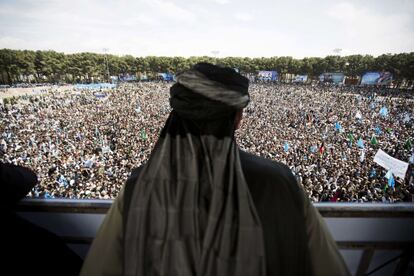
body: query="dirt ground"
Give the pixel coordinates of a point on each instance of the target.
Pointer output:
(10, 92)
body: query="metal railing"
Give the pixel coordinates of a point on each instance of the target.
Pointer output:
(327, 210)
(344, 210)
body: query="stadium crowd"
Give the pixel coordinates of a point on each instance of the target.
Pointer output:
(84, 144)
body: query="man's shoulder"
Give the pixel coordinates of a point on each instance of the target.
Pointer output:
(134, 175)
(265, 168)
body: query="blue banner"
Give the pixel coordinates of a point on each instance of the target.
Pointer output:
(301, 78)
(166, 76)
(127, 78)
(376, 78)
(94, 86)
(267, 76)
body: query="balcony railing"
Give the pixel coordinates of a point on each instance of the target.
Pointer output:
(365, 230)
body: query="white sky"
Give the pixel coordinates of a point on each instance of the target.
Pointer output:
(198, 27)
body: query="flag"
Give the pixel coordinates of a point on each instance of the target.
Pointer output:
(408, 144)
(388, 174)
(286, 146)
(322, 149)
(338, 126)
(362, 156)
(377, 130)
(406, 118)
(360, 143)
(373, 173)
(383, 111)
(350, 139)
(88, 163)
(63, 181)
(374, 140)
(144, 135)
(313, 149)
(391, 181)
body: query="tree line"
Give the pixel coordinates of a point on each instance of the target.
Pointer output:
(53, 67)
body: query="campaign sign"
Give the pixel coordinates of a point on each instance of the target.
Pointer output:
(267, 76)
(301, 78)
(166, 76)
(127, 78)
(335, 78)
(397, 167)
(376, 78)
(95, 86)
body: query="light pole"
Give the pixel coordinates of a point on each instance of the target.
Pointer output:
(215, 54)
(105, 50)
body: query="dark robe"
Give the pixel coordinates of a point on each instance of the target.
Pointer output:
(279, 202)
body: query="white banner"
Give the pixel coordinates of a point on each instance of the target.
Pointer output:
(398, 167)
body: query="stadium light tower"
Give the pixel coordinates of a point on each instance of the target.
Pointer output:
(215, 54)
(105, 50)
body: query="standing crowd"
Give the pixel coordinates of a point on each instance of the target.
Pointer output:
(84, 144)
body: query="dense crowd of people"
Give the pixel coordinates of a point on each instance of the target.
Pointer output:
(84, 143)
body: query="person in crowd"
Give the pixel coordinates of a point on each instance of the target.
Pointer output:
(201, 206)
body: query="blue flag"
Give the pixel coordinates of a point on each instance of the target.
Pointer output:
(391, 181)
(377, 130)
(383, 111)
(373, 173)
(360, 143)
(63, 181)
(388, 175)
(313, 149)
(338, 126)
(286, 146)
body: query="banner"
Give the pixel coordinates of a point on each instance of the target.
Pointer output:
(397, 167)
(96, 86)
(127, 77)
(166, 76)
(335, 78)
(267, 76)
(376, 78)
(301, 78)
(100, 95)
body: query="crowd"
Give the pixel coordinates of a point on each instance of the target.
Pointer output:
(84, 144)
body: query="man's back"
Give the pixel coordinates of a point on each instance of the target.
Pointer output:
(293, 230)
(284, 210)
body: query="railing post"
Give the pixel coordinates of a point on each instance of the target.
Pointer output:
(402, 265)
(365, 261)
